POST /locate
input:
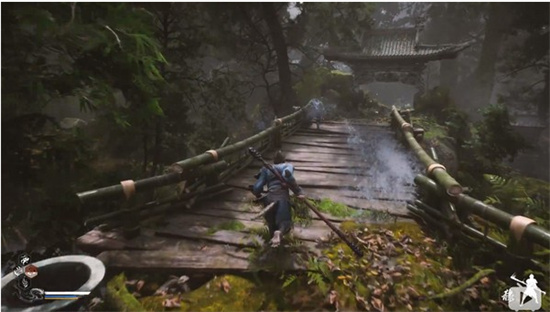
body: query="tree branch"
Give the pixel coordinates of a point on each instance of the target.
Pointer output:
(116, 36)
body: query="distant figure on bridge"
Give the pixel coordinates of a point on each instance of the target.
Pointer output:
(317, 111)
(278, 218)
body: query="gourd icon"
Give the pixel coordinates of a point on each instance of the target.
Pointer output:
(31, 271)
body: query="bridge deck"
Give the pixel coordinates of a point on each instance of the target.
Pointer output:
(328, 165)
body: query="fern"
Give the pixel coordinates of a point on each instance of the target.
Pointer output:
(289, 280)
(318, 274)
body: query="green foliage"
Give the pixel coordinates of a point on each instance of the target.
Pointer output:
(119, 298)
(335, 209)
(494, 139)
(220, 105)
(434, 103)
(431, 127)
(520, 195)
(233, 225)
(310, 86)
(457, 124)
(319, 274)
(338, 24)
(289, 280)
(82, 51)
(300, 212)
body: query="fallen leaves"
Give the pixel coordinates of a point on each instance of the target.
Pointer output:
(225, 286)
(172, 302)
(484, 280)
(377, 304)
(361, 302)
(333, 299)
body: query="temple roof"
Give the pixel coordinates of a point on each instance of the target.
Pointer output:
(395, 44)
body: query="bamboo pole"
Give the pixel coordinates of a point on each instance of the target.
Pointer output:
(532, 232)
(452, 187)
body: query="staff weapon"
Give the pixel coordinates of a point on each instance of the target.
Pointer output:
(294, 189)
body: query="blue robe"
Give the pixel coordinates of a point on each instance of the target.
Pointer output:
(279, 217)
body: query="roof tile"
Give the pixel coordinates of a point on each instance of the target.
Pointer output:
(397, 43)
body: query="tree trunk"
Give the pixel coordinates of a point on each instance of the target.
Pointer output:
(494, 33)
(157, 155)
(545, 100)
(284, 105)
(448, 73)
(159, 123)
(145, 138)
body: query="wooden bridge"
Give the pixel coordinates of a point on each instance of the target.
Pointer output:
(196, 228)
(327, 166)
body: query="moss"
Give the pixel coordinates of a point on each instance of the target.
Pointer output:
(425, 266)
(243, 296)
(431, 127)
(232, 225)
(349, 226)
(153, 303)
(118, 297)
(336, 209)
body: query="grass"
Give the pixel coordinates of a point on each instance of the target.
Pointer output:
(232, 225)
(336, 209)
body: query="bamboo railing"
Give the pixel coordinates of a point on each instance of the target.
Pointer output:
(439, 183)
(202, 174)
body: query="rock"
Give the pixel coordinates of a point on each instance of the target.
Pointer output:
(446, 153)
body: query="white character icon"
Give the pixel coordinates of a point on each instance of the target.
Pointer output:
(530, 289)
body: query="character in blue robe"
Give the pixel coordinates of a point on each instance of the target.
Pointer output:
(317, 111)
(278, 218)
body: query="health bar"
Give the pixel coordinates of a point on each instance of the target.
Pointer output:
(64, 295)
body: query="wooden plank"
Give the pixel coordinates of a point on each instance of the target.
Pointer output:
(312, 157)
(220, 237)
(96, 241)
(356, 194)
(243, 217)
(349, 169)
(397, 208)
(311, 179)
(339, 131)
(170, 260)
(322, 183)
(291, 149)
(293, 141)
(197, 222)
(198, 262)
(236, 204)
(321, 165)
(320, 139)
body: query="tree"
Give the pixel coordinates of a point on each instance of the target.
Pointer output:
(288, 98)
(52, 51)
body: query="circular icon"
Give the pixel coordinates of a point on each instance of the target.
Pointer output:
(24, 259)
(24, 283)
